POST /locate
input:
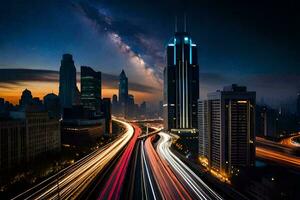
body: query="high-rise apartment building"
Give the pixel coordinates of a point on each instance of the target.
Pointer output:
(204, 139)
(227, 129)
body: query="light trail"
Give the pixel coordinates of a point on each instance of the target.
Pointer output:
(291, 141)
(169, 185)
(193, 183)
(277, 157)
(70, 182)
(148, 177)
(113, 186)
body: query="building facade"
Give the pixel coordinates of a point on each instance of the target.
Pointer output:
(90, 89)
(26, 135)
(227, 129)
(204, 136)
(181, 84)
(12, 143)
(42, 134)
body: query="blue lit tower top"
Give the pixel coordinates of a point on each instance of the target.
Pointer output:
(181, 48)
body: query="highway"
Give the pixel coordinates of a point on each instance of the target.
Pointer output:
(277, 156)
(113, 187)
(142, 183)
(195, 186)
(151, 189)
(291, 141)
(284, 152)
(169, 185)
(73, 180)
(276, 146)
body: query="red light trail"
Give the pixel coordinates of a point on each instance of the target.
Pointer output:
(114, 184)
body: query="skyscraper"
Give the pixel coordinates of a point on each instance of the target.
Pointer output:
(181, 84)
(90, 89)
(227, 129)
(123, 89)
(68, 92)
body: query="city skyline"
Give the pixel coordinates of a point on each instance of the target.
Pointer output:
(141, 53)
(156, 99)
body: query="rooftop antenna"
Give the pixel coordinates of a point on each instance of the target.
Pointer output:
(184, 22)
(175, 24)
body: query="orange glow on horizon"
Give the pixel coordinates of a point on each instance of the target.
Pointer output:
(13, 92)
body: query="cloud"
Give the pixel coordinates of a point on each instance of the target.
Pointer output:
(11, 78)
(14, 76)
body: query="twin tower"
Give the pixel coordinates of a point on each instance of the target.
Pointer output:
(181, 84)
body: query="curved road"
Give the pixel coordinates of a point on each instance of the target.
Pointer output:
(196, 187)
(73, 180)
(113, 187)
(170, 187)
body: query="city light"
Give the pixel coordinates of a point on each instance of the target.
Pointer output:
(149, 100)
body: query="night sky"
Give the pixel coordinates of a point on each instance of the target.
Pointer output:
(253, 43)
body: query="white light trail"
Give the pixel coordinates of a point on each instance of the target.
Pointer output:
(76, 178)
(147, 170)
(200, 189)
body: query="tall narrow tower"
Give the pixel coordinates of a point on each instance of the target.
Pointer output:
(123, 89)
(68, 92)
(181, 84)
